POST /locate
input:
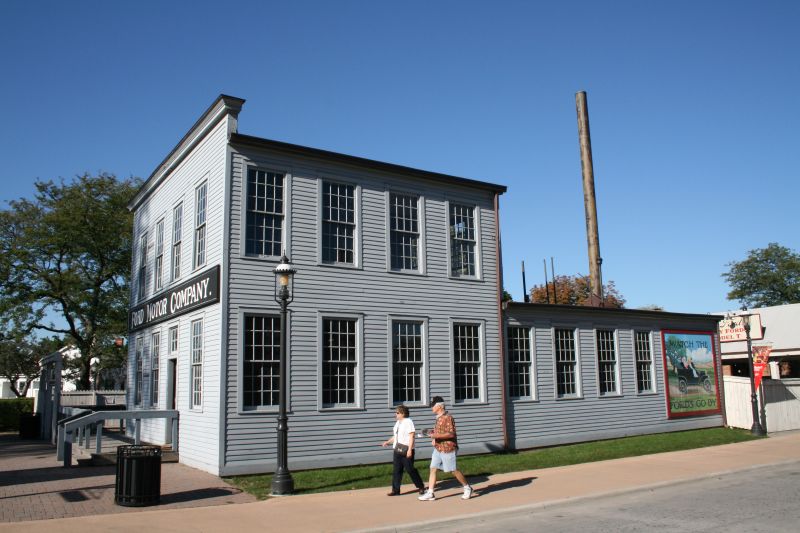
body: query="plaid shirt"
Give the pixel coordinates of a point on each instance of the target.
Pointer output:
(445, 424)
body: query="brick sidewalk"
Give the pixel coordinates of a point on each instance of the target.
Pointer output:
(34, 486)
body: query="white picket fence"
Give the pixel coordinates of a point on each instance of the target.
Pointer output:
(781, 397)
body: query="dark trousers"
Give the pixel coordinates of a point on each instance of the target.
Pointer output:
(401, 462)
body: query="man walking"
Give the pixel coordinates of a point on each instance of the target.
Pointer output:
(445, 444)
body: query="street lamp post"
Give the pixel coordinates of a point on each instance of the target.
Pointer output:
(282, 482)
(756, 428)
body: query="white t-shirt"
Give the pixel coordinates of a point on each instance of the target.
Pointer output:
(402, 431)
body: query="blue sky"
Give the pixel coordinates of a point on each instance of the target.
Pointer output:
(693, 111)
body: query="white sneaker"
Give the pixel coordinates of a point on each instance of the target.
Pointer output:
(427, 497)
(467, 493)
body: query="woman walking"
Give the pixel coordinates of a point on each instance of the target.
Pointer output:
(402, 442)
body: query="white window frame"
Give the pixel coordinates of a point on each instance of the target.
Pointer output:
(617, 380)
(155, 366)
(159, 260)
(253, 311)
(534, 382)
(286, 226)
(448, 241)
(359, 374)
(200, 255)
(196, 405)
(138, 371)
(357, 232)
(141, 274)
(424, 378)
(421, 244)
(653, 381)
(176, 249)
(578, 374)
(482, 369)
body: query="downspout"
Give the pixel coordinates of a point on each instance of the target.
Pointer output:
(500, 322)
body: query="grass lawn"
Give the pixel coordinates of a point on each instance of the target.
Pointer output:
(362, 477)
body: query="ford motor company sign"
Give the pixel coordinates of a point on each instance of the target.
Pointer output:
(197, 292)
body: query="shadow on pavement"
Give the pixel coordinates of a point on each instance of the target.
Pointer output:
(200, 494)
(54, 473)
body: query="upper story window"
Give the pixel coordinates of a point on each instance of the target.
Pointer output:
(172, 339)
(200, 202)
(177, 231)
(467, 361)
(644, 362)
(404, 231)
(142, 277)
(407, 362)
(339, 362)
(261, 372)
(159, 270)
(264, 213)
(606, 362)
(519, 362)
(566, 363)
(338, 223)
(463, 241)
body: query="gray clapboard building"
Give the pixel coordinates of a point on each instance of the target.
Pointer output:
(396, 298)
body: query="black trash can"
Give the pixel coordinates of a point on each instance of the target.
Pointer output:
(138, 476)
(29, 426)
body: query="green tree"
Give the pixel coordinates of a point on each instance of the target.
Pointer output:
(574, 290)
(768, 276)
(67, 253)
(19, 359)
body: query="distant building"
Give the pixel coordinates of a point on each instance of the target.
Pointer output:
(777, 326)
(69, 352)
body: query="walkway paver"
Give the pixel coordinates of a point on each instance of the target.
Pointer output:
(34, 485)
(371, 510)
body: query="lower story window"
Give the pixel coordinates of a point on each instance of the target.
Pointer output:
(155, 351)
(644, 362)
(197, 363)
(467, 361)
(566, 363)
(519, 362)
(261, 360)
(339, 362)
(407, 362)
(137, 385)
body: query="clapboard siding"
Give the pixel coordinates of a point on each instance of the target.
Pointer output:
(198, 429)
(549, 421)
(321, 437)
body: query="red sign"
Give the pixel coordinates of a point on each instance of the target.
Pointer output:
(760, 360)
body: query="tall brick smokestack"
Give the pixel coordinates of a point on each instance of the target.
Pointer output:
(589, 200)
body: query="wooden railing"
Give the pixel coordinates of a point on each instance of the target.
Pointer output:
(79, 428)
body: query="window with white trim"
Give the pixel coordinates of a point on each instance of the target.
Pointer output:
(261, 361)
(197, 363)
(606, 361)
(139, 371)
(264, 233)
(338, 223)
(463, 240)
(566, 363)
(172, 339)
(404, 231)
(520, 369)
(155, 354)
(339, 362)
(200, 204)
(467, 361)
(644, 361)
(159, 268)
(177, 232)
(407, 362)
(142, 277)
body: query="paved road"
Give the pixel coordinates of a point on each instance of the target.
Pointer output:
(763, 499)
